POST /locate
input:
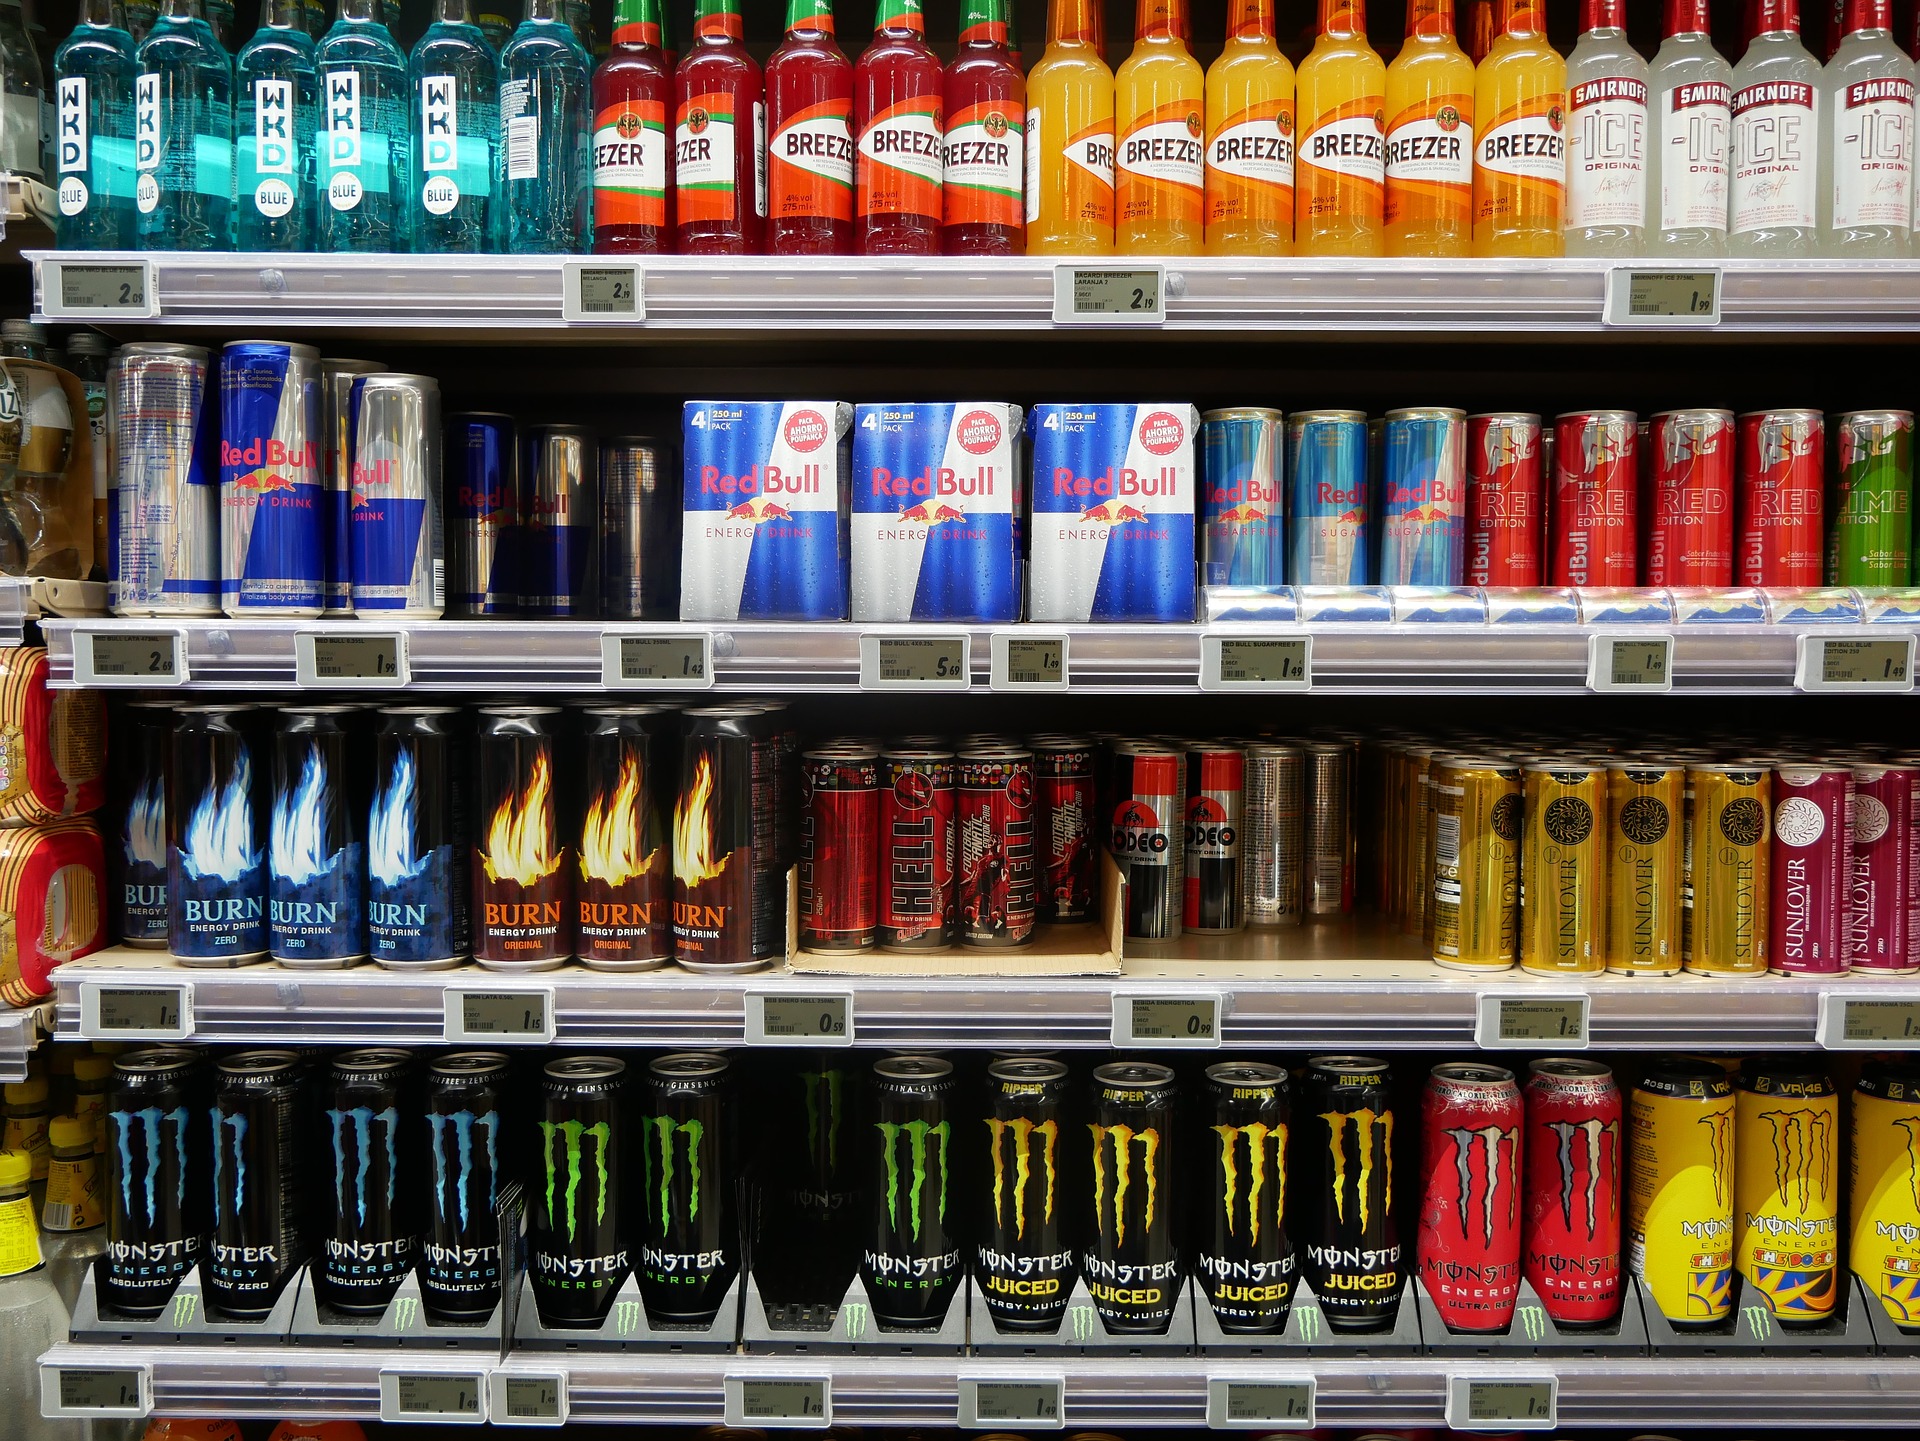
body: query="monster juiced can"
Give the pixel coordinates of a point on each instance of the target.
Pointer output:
(1024, 1263)
(689, 1244)
(316, 868)
(158, 1214)
(1245, 1264)
(522, 883)
(1349, 1235)
(1724, 927)
(1470, 1128)
(911, 1262)
(417, 847)
(1477, 809)
(1883, 1202)
(216, 823)
(1131, 1259)
(370, 1242)
(1563, 869)
(259, 1178)
(1870, 512)
(1786, 1187)
(623, 899)
(577, 1237)
(1570, 1242)
(1646, 835)
(139, 865)
(1680, 1190)
(460, 1250)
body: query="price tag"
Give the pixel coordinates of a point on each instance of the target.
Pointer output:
(1513, 1021)
(1637, 663)
(1662, 297)
(113, 1012)
(124, 1391)
(1157, 1021)
(1109, 295)
(1854, 663)
(598, 291)
(788, 1401)
(350, 658)
(116, 290)
(433, 1396)
(1503, 1403)
(518, 1016)
(1256, 663)
(777, 1018)
(1882, 1021)
(127, 657)
(940, 661)
(1031, 1402)
(1029, 662)
(521, 1398)
(1266, 1403)
(657, 662)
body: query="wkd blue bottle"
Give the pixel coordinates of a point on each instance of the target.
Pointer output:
(546, 124)
(365, 162)
(93, 74)
(278, 100)
(455, 81)
(183, 135)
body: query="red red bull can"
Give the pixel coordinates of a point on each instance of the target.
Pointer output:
(1594, 527)
(1470, 1123)
(1504, 499)
(1215, 892)
(1149, 794)
(993, 820)
(1812, 870)
(840, 848)
(1069, 863)
(1778, 501)
(916, 850)
(1881, 933)
(1570, 1251)
(1690, 532)
(272, 490)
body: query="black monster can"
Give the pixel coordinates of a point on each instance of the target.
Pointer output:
(259, 1181)
(466, 1141)
(689, 1251)
(158, 1203)
(1349, 1233)
(1025, 1261)
(370, 1239)
(911, 1264)
(577, 1243)
(1131, 1260)
(810, 1232)
(1246, 1262)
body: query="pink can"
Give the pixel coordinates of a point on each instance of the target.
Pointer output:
(1811, 869)
(1886, 869)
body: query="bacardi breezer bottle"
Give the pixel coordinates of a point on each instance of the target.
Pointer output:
(183, 135)
(276, 100)
(1688, 131)
(546, 124)
(1520, 145)
(453, 79)
(93, 76)
(1776, 138)
(632, 91)
(365, 151)
(899, 118)
(720, 138)
(983, 158)
(1606, 137)
(1159, 102)
(809, 137)
(1069, 182)
(1866, 204)
(1249, 204)
(1339, 186)
(1429, 210)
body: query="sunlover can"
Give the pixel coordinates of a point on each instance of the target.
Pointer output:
(272, 487)
(1886, 870)
(1563, 869)
(418, 852)
(1883, 1199)
(1245, 1263)
(217, 823)
(1724, 928)
(1423, 499)
(1680, 1183)
(316, 845)
(1811, 869)
(1478, 812)
(1870, 516)
(1024, 1262)
(1646, 873)
(1469, 1248)
(1329, 538)
(1786, 1190)
(1131, 1260)
(1242, 497)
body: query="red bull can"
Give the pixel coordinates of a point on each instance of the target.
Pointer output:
(1242, 503)
(557, 513)
(483, 514)
(1870, 523)
(1812, 870)
(1423, 501)
(1882, 937)
(336, 457)
(272, 496)
(1690, 533)
(993, 821)
(1505, 455)
(1594, 527)
(639, 515)
(164, 503)
(399, 568)
(1328, 535)
(1778, 503)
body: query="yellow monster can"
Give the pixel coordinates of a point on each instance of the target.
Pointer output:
(1646, 826)
(1680, 1190)
(1786, 1188)
(1474, 862)
(1729, 831)
(1563, 869)
(1883, 1210)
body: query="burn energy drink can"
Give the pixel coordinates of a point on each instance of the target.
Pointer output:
(1724, 928)
(260, 1160)
(483, 515)
(577, 1237)
(1646, 870)
(1328, 534)
(1423, 505)
(1563, 869)
(1786, 1189)
(689, 1245)
(1781, 480)
(370, 1232)
(1886, 869)
(840, 848)
(558, 508)
(216, 824)
(164, 505)
(729, 880)
(1680, 1190)
(1883, 1203)
(336, 456)
(1131, 1259)
(1690, 530)
(399, 567)
(639, 530)
(1811, 869)
(1242, 500)
(419, 913)
(145, 747)
(1215, 891)
(522, 882)
(1149, 791)
(159, 1208)
(1870, 519)
(623, 898)
(917, 911)
(1349, 1235)
(994, 831)
(1024, 1263)
(911, 1264)
(1570, 1248)
(1593, 525)
(1245, 1263)
(1470, 1125)
(1505, 499)
(460, 1250)
(273, 508)
(316, 859)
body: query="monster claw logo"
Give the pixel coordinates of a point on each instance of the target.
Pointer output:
(1759, 1321)
(1123, 1139)
(462, 1124)
(917, 1134)
(239, 1127)
(1491, 1139)
(1533, 1321)
(1911, 1125)
(185, 1303)
(854, 1315)
(664, 1129)
(1257, 1134)
(151, 1120)
(406, 1310)
(1720, 1149)
(1802, 1154)
(1082, 1318)
(1022, 1131)
(363, 1118)
(626, 1317)
(1366, 1124)
(572, 1134)
(1591, 1134)
(820, 1090)
(1307, 1321)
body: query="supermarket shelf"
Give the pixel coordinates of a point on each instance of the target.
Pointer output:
(15, 591)
(20, 1031)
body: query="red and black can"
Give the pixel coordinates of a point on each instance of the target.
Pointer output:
(994, 826)
(840, 848)
(1594, 529)
(1216, 900)
(1504, 499)
(622, 904)
(1470, 1124)
(522, 882)
(1063, 784)
(1149, 794)
(1570, 1252)
(916, 850)
(1690, 530)
(1778, 505)
(729, 887)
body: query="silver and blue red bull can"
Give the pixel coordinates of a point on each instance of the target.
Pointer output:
(1327, 530)
(273, 511)
(1423, 498)
(763, 535)
(164, 505)
(483, 514)
(558, 510)
(1242, 503)
(935, 508)
(336, 456)
(399, 566)
(1113, 504)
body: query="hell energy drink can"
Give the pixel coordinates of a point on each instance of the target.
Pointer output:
(1068, 861)
(460, 1252)
(558, 511)
(916, 850)
(1328, 534)
(1470, 1125)
(1781, 479)
(1563, 869)
(370, 1232)
(994, 828)
(1786, 1189)
(689, 1247)
(639, 529)
(577, 1240)
(1883, 1199)
(1423, 500)
(1149, 791)
(316, 858)
(840, 848)
(145, 746)
(399, 566)
(164, 505)
(729, 883)
(1476, 827)
(911, 1264)
(522, 882)
(483, 514)
(1130, 1259)
(418, 885)
(1724, 928)
(1870, 518)
(216, 823)
(1811, 870)
(1646, 872)
(158, 1188)
(1570, 1250)
(336, 458)
(1349, 1235)
(1505, 499)
(1690, 530)
(1273, 836)
(1680, 1190)
(272, 489)
(259, 1181)
(1216, 902)
(1593, 525)
(1246, 1265)
(1242, 502)
(1886, 870)
(1330, 833)
(623, 898)
(1024, 1264)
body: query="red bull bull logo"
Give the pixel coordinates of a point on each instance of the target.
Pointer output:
(760, 508)
(1114, 512)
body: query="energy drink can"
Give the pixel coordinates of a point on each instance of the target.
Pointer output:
(623, 899)
(1215, 891)
(1273, 841)
(1328, 535)
(140, 860)
(1245, 1263)
(577, 1241)
(1149, 791)
(1478, 815)
(1349, 1235)
(1423, 508)
(1725, 924)
(460, 1252)
(1646, 873)
(1242, 500)
(273, 510)
(1563, 869)
(216, 853)
(1870, 519)
(1811, 869)
(1024, 1263)
(371, 1237)
(336, 449)
(1470, 1124)
(1883, 1201)
(316, 858)
(419, 913)
(399, 566)
(522, 883)
(916, 850)
(639, 530)
(558, 508)
(813, 1228)
(1330, 838)
(729, 880)
(164, 505)
(1068, 862)
(1594, 526)
(1505, 499)
(689, 1250)
(1132, 1261)
(1690, 532)
(840, 848)
(1780, 500)
(1680, 1190)
(994, 831)
(1570, 1248)
(1886, 869)
(911, 1264)
(1786, 1188)
(259, 1181)
(159, 1209)
(483, 515)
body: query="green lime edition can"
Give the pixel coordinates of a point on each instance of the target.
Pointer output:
(1870, 525)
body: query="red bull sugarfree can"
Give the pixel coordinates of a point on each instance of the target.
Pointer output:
(1242, 498)
(1328, 537)
(1423, 502)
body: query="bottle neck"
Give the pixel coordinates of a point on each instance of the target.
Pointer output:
(1686, 17)
(1250, 20)
(366, 11)
(719, 20)
(637, 23)
(1074, 22)
(544, 11)
(1343, 17)
(1160, 20)
(1867, 15)
(984, 22)
(1602, 15)
(1774, 17)
(810, 17)
(1521, 19)
(899, 17)
(446, 12)
(183, 10)
(103, 15)
(1430, 19)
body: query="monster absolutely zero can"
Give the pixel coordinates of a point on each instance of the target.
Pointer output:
(1242, 500)
(272, 488)
(916, 850)
(522, 880)
(1474, 868)
(165, 497)
(1574, 1146)
(1680, 1190)
(398, 561)
(839, 848)
(1245, 1263)
(1470, 1146)
(1870, 522)
(1024, 1262)
(216, 824)
(1886, 804)
(158, 1197)
(260, 1180)
(624, 895)
(689, 1250)
(1131, 1255)
(1505, 499)
(316, 851)
(1349, 1235)
(994, 831)
(729, 880)
(1592, 524)
(370, 1231)
(419, 900)
(336, 457)
(1781, 480)
(912, 1263)
(1883, 1204)
(1273, 838)
(1646, 872)
(1068, 862)
(1690, 528)
(1215, 891)
(1423, 498)
(460, 1254)
(483, 514)
(1786, 1187)
(1329, 538)
(1811, 869)
(1330, 831)
(557, 545)
(578, 1233)
(1145, 840)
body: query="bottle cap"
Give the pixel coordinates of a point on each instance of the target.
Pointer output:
(92, 1068)
(29, 1092)
(16, 1169)
(65, 1131)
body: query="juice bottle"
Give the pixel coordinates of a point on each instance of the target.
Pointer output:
(898, 111)
(1340, 185)
(1250, 139)
(631, 92)
(983, 158)
(1520, 160)
(1070, 137)
(810, 137)
(1430, 139)
(720, 135)
(1159, 97)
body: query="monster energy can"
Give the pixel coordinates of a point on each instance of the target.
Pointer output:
(576, 1244)
(158, 1214)
(258, 1175)
(1680, 1190)
(1024, 1262)
(810, 1229)
(1883, 1203)
(911, 1264)
(370, 1236)
(1132, 1264)
(1786, 1187)
(1351, 1254)
(1246, 1262)
(460, 1254)
(689, 1250)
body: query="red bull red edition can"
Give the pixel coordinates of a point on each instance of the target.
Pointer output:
(164, 504)
(764, 535)
(1594, 525)
(1780, 497)
(273, 511)
(1243, 508)
(1690, 533)
(1423, 498)
(935, 512)
(1113, 493)
(1505, 455)
(399, 566)
(1327, 533)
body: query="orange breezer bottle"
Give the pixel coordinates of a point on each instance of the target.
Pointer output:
(1070, 137)
(1341, 176)
(1430, 139)
(1520, 157)
(1250, 139)
(1159, 96)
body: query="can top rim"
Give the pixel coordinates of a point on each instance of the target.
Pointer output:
(1523, 415)
(478, 415)
(1238, 412)
(1028, 1068)
(292, 347)
(270, 1062)
(1133, 1075)
(1246, 1073)
(1569, 1066)
(632, 708)
(470, 1063)
(1346, 1063)
(372, 1059)
(322, 708)
(419, 710)
(584, 1068)
(1629, 416)
(912, 1068)
(346, 365)
(1293, 415)
(1425, 412)
(404, 377)
(1783, 1068)
(161, 347)
(157, 1060)
(1473, 1073)
(519, 710)
(689, 1065)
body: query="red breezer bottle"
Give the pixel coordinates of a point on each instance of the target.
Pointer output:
(810, 137)
(984, 157)
(631, 92)
(897, 114)
(720, 136)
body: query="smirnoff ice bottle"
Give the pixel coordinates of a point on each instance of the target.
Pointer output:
(1606, 136)
(1776, 139)
(1866, 203)
(1688, 133)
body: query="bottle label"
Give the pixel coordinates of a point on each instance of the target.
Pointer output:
(760, 159)
(356, 158)
(1607, 153)
(1033, 165)
(630, 164)
(19, 1237)
(1250, 166)
(146, 141)
(703, 159)
(520, 125)
(1773, 156)
(1523, 156)
(1089, 172)
(71, 145)
(1873, 154)
(29, 1133)
(1162, 165)
(981, 163)
(1694, 125)
(900, 160)
(1430, 162)
(1343, 161)
(810, 163)
(73, 1195)
(273, 154)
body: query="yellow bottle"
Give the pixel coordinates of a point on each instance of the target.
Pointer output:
(1340, 185)
(1430, 139)
(1520, 158)
(1070, 137)
(1160, 103)
(1250, 139)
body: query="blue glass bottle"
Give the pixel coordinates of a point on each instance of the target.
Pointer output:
(93, 74)
(365, 155)
(277, 111)
(456, 126)
(183, 135)
(546, 126)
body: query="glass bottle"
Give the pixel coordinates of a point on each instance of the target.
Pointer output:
(497, 21)
(809, 137)
(313, 19)
(453, 81)
(1690, 85)
(32, 1318)
(1249, 183)
(140, 17)
(277, 90)
(899, 117)
(365, 149)
(1429, 206)
(1520, 146)
(93, 131)
(1606, 137)
(72, 1215)
(720, 138)
(1866, 204)
(25, 82)
(546, 98)
(1069, 182)
(1340, 181)
(183, 135)
(1775, 150)
(220, 22)
(632, 89)
(1160, 103)
(983, 156)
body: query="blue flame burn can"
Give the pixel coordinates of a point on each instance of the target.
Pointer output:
(399, 560)
(316, 901)
(216, 849)
(1242, 503)
(460, 1253)
(273, 501)
(483, 514)
(1327, 531)
(417, 855)
(370, 1242)
(1423, 498)
(258, 1173)
(140, 864)
(158, 1202)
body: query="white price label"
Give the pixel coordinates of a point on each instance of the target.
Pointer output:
(679, 661)
(1109, 295)
(115, 1012)
(522, 1015)
(1031, 1402)
(1157, 1021)
(130, 658)
(939, 661)
(351, 659)
(1854, 663)
(1558, 1021)
(1256, 663)
(785, 1401)
(433, 1396)
(1662, 297)
(1503, 1403)
(1263, 1403)
(524, 1398)
(1883, 1021)
(598, 291)
(1635, 663)
(114, 1391)
(110, 290)
(1029, 662)
(820, 1019)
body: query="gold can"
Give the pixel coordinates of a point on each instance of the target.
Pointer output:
(1478, 806)
(1680, 1190)
(1724, 926)
(1883, 1205)
(1786, 1188)
(1563, 869)
(1646, 829)
(1416, 914)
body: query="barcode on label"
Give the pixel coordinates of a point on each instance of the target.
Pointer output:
(57, 1216)
(523, 147)
(1446, 840)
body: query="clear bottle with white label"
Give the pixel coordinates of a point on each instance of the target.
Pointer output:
(365, 148)
(1774, 173)
(1606, 137)
(546, 125)
(1866, 200)
(277, 110)
(183, 135)
(93, 132)
(25, 82)
(454, 78)
(1688, 131)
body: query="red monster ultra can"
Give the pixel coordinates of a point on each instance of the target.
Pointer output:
(1690, 533)
(1881, 934)
(1216, 898)
(1470, 1124)
(994, 825)
(1063, 787)
(1504, 500)
(916, 850)
(839, 848)
(1593, 528)
(1777, 505)
(1812, 870)
(1570, 1253)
